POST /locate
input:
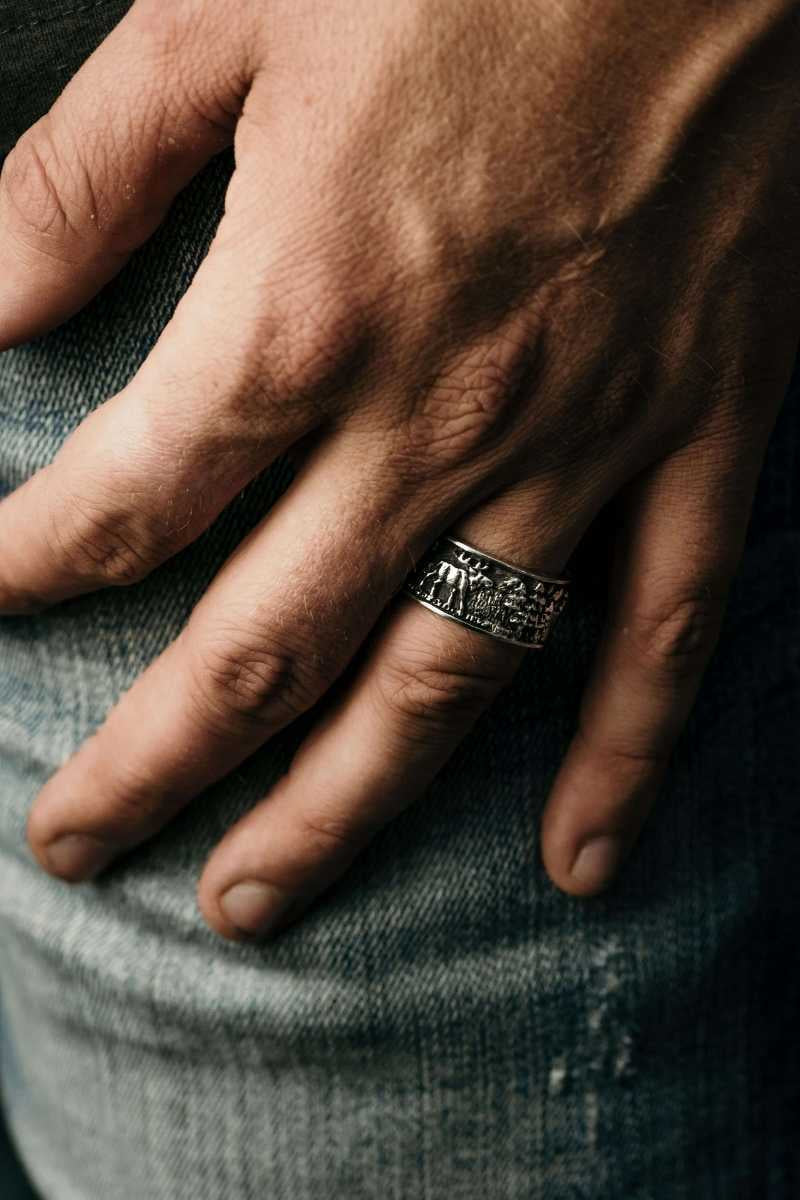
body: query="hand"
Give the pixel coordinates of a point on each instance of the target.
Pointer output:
(492, 266)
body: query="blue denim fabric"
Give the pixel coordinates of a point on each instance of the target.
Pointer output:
(445, 1024)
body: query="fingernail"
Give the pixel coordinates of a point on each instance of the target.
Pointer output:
(77, 856)
(597, 861)
(254, 907)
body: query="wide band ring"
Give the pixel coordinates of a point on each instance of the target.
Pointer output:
(472, 587)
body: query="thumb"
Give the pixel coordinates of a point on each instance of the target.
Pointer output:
(93, 179)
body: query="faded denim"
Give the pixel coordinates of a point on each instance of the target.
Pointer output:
(445, 1024)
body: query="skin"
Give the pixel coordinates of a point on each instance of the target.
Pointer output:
(485, 268)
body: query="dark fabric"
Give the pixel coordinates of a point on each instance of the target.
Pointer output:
(445, 1024)
(42, 43)
(14, 1183)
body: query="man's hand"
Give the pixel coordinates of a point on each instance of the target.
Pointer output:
(494, 265)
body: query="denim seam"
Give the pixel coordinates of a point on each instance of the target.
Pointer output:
(70, 12)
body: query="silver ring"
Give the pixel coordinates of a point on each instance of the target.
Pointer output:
(485, 593)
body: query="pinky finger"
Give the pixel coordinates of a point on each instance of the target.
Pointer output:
(677, 551)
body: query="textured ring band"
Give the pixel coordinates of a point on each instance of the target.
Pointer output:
(495, 597)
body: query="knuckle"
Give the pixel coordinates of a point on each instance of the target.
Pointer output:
(295, 357)
(473, 406)
(241, 681)
(336, 834)
(134, 801)
(59, 191)
(33, 187)
(434, 697)
(321, 342)
(98, 543)
(621, 401)
(637, 757)
(455, 423)
(676, 637)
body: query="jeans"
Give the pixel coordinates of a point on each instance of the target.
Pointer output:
(445, 1024)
